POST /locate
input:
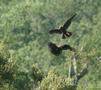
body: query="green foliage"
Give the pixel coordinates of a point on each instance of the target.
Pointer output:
(7, 71)
(24, 26)
(36, 74)
(28, 79)
(55, 82)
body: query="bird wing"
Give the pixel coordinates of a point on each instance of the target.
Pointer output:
(55, 31)
(68, 22)
(54, 49)
(52, 45)
(65, 47)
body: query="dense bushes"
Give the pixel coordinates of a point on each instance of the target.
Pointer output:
(25, 61)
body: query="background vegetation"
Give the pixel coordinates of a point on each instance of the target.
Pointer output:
(25, 61)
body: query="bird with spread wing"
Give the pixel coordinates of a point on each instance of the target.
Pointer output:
(62, 29)
(57, 50)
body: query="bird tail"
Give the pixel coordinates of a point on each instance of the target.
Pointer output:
(68, 34)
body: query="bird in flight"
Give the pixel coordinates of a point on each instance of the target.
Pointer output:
(62, 29)
(54, 49)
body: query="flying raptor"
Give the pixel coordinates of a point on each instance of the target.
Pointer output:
(62, 29)
(54, 49)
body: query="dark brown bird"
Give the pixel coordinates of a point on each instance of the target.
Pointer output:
(62, 29)
(58, 50)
